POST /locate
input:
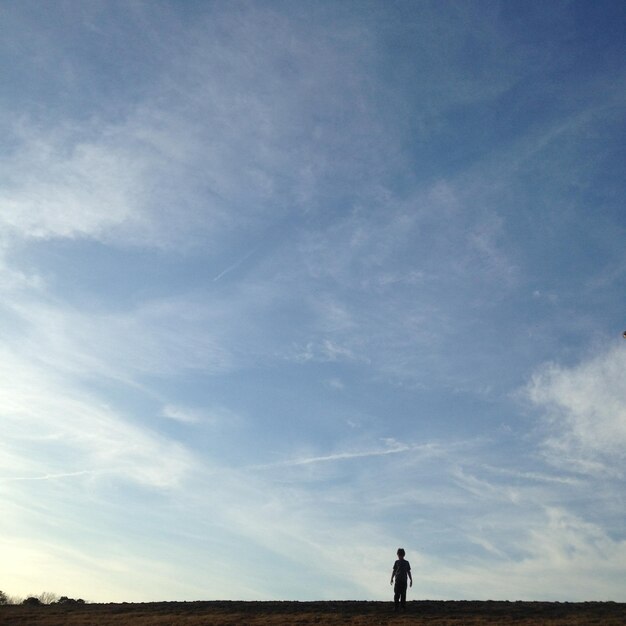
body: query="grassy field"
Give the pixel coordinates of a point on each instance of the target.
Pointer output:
(315, 613)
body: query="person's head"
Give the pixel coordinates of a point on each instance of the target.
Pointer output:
(401, 553)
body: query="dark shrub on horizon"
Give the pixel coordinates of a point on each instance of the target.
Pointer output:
(70, 601)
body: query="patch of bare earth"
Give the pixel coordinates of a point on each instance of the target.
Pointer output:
(429, 613)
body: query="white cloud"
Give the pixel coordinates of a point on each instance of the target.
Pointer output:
(182, 414)
(70, 183)
(195, 415)
(325, 351)
(584, 408)
(336, 383)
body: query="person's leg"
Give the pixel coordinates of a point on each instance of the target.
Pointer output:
(396, 596)
(403, 597)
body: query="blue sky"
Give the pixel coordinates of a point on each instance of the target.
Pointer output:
(284, 286)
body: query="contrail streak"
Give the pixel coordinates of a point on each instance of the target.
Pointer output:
(235, 265)
(341, 456)
(48, 476)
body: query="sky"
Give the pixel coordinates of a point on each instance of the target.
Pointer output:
(285, 286)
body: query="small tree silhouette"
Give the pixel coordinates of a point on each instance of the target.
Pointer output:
(47, 597)
(32, 601)
(3, 598)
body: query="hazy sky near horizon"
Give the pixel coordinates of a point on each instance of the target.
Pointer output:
(287, 285)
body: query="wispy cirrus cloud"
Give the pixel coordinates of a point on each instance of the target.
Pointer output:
(119, 345)
(560, 552)
(269, 144)
(62, 430)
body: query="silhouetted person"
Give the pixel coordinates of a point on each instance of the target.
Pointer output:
(401, 571)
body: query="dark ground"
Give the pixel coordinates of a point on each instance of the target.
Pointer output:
(431, 613)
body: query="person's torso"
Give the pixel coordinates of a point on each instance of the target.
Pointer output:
(401, 567)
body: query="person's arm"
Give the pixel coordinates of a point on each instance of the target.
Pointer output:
(393, 573)
(410, 577)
